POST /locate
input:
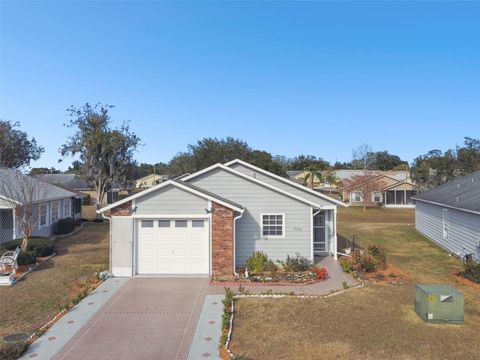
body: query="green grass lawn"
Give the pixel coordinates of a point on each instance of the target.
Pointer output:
(377, 321)
(38, 297)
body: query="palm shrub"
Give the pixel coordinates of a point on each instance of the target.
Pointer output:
(257, 262)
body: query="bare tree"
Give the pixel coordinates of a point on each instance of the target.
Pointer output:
(23, 194)
(363, 157)
(366, 184)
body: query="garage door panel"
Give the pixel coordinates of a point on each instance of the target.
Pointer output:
(172, 250)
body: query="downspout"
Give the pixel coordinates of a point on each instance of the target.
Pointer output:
(109, 218)
(235, 238)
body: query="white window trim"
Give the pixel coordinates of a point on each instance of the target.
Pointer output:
(47, 217)
(373, 196)
(353, 197)
(51, 212)
(67, 204)
(445, 224)
(272, 236)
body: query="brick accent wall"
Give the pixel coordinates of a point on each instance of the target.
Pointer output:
(222, 240)
(122, 210)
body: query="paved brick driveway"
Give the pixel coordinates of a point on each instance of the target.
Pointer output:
(149, 318)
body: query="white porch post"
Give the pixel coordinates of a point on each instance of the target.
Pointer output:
(335, 256)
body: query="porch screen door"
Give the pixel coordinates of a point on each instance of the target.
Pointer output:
(319, 234)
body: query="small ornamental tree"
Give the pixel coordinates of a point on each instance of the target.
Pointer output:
(23, 194)
(366, 184)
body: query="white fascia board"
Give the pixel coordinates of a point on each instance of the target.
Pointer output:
(287, 181)
(252, 179)
(446, 206)
(164, 184)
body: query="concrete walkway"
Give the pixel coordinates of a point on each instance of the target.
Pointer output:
(209, 329)
(64, 329)
(334, 282)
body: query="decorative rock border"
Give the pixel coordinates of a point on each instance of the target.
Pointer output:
(275, 296)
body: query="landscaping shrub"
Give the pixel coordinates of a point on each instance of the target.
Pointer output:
(64, 226)
(472, 272)
(321, 272)
(40, 245)
(26, 258)
(378, 254)
(295, 263)
(270, 266)
(13, 350)
(369, 263)
(256, 263)
(346, 264)
(227, 314)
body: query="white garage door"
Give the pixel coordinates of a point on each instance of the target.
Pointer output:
(176, 246)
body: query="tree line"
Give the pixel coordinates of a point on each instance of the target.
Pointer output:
(104, 155)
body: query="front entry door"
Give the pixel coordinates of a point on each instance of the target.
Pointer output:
(319, 234)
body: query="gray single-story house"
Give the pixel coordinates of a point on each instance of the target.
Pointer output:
(211, 222)
(51, 203)
(450, 215)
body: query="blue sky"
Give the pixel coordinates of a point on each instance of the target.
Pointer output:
(287, 77)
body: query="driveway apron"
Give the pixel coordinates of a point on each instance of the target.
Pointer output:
(149, 318)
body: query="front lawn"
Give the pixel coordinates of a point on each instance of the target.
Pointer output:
(38, 297)
(377, 321)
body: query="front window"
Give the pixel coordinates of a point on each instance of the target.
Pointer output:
(356, 196)
(43, 215)
(376, 196)
(55, 210)
(273, 225)
(66, 208)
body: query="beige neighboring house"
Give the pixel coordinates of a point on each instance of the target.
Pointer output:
(386, 190)
(149, 181)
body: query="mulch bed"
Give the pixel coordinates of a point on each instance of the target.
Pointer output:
(464, 281)
(389, 275)
(278, 278)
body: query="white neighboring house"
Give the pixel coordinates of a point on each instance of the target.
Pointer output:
(450, 215)
(56, 204)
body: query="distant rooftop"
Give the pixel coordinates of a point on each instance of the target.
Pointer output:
(69, 181)
(12, 177)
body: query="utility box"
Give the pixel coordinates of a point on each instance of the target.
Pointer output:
(439, 304)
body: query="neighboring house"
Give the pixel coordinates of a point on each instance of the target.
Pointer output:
(213, 220)
(57, 203)
(149, 181)
(76, 183)
(450, 215)
(384, 190)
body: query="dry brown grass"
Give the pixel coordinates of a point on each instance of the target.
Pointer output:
(375, 322)
(36, 299)
(376, 215)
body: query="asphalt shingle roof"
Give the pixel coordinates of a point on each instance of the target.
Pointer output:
(69, 181)
(462, 193)
(46, 191)
(208, 193)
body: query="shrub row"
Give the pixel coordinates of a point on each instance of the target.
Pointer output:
(472, 272)
(65, 226)
(373, 259)
(37, 246)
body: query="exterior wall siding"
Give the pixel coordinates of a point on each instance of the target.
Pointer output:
(170, 200)
(258, 199)
(463, 228)
(281, 185)
(121, 256)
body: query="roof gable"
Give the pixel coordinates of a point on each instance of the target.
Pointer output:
(254, 180)
(188, 187)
